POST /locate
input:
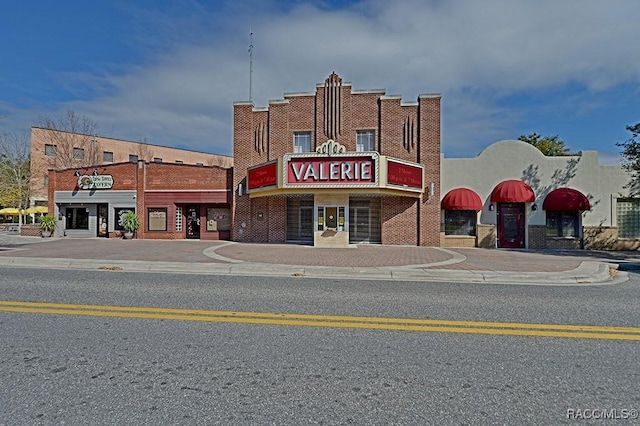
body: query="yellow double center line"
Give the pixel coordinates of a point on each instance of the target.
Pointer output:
(376, 323)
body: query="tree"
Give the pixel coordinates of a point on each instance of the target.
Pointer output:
(15, 172)
(631, 156)
(74, 139)
(549, 145)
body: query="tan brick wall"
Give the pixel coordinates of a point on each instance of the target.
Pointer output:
(606, 238)
(487, 236)
(459, 241)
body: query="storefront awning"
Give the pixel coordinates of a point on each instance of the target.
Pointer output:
(566, 199)
(461, 199)
(512, 191)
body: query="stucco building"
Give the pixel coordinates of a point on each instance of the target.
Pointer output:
(513, 196)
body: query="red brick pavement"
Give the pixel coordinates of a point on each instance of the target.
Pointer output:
(362, 255)
(114, 249)
(289, 254)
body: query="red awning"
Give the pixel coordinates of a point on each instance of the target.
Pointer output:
(512, 191)
(566, 199)
(461, 199)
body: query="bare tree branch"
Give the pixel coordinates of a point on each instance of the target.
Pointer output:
(74, 139)
(15, 174)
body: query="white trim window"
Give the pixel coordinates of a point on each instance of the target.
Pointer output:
(301, 141)
(365, 140)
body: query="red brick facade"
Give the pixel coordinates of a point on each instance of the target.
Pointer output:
(409, 132)
(170, 187)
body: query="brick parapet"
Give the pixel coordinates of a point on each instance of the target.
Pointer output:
(429, 156)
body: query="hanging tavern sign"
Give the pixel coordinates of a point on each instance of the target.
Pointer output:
(95, 182)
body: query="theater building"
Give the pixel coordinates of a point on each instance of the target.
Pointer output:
(337, 166)
(173, 201)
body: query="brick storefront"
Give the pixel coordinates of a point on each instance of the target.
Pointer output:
(173, 201)
(331, 204)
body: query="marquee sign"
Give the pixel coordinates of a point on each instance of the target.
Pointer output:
(404, 174)
(95, 182)
(343, 170)
(262, 176)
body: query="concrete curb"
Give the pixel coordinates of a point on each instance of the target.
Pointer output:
(588, 273)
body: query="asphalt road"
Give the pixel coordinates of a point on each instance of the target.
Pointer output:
(91, 367)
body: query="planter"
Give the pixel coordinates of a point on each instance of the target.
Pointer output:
(127, 235)
(47, 225)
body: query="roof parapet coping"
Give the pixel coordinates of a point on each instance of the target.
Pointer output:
(278, 102)
(344, 83)
(398, 97)
(299, 94)
(368, 91)
(430, 95)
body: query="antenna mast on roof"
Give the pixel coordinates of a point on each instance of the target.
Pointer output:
(250, 63)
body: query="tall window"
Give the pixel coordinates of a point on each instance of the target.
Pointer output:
(365, 140)
(50, 150)
(107, 157)
(302, 142)
(460, 222)
(563, 223)
(78, 153)
(628, 217)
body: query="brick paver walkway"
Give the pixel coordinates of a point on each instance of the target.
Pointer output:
(191, 251)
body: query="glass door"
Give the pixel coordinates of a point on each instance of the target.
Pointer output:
(360, 224)
(193, 222)
(511, 225)
(306, 224)
(103, 220)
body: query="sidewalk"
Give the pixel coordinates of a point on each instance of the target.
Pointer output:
(398, 263)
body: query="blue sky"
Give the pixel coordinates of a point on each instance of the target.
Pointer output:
(168, 72)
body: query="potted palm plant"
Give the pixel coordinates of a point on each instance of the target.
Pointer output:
(130, 223)
(48, 225)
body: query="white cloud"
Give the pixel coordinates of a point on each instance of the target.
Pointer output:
(474, 52)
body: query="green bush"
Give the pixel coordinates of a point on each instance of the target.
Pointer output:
(130, 222)
(48, 223)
